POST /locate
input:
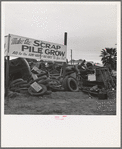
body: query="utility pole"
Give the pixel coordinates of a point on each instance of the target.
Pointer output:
(71, 56)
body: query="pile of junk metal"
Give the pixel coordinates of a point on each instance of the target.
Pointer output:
(42, 78)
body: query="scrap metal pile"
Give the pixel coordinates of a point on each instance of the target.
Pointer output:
(45, 78)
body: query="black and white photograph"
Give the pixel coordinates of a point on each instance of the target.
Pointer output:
(60, 59)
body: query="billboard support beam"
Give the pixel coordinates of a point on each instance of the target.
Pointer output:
(7, 69)
(64, 64)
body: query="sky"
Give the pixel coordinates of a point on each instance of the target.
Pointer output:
(90, 26)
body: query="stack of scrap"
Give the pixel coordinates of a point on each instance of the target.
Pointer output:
(42, 79)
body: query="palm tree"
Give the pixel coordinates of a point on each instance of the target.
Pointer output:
(109, 57)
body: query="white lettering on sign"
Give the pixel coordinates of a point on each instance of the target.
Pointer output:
(36, 49)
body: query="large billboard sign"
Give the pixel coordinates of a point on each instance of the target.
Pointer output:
(35, 49)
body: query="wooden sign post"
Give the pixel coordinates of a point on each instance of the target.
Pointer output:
(7, 68)
(64, 64)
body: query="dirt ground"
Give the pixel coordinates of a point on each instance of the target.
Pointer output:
(59, 103)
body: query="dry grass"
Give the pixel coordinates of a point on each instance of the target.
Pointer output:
(59, 103)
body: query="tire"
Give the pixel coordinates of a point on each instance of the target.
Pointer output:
(24, 85)
(64, 83)
(23, 89)
(48, 92)
(40, 78)
(15, 81)
(13, 89)
(44, 81)
(72, 85)
(44, 90)
(73, 78)
(18, 83)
